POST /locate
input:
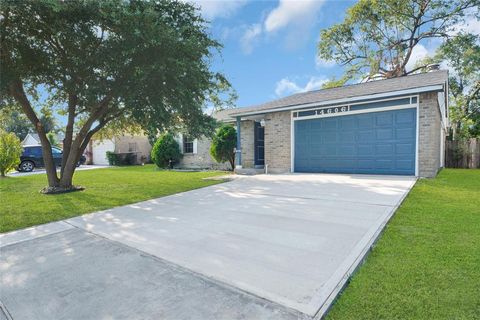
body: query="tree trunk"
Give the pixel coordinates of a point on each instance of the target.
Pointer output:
(232, 161)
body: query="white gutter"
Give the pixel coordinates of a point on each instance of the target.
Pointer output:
(345, 100)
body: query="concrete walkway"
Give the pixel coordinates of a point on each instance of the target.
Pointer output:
(259, 247)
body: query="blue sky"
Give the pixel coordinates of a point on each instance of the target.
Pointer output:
(270, 46)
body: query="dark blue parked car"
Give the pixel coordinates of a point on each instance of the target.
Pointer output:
(32, 157)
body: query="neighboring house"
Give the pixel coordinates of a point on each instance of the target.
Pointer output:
(395, 126)
(33, 139)
(138, 145)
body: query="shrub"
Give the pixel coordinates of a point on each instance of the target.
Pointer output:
(10, 152)
(223, 145)
(164, 150)
(121, 159)
(113, 158)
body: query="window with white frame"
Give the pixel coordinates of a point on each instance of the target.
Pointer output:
(187, 144)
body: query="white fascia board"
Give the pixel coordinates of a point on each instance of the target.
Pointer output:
(346, 100)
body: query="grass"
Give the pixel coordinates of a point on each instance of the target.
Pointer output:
(426, 265)
(22, 205)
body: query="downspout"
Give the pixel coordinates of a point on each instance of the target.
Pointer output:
(238, 149)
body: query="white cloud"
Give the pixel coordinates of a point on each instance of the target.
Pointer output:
(298, 16)
(286, 86)
(212, 9)
(292, 12)
(419, 52)
(470, 25)
(250, 37)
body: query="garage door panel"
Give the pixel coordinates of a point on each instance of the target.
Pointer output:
(347, 137)
(365, 135)
(366, 164)
(404, 148)
(330, 123)
(404, 133)
(347, 123)
(376, 143)
(384, 119)
(384, 149)
(365, 150)
(384, 163)
(405, 164)
(365, 121)
(384, 134)
(404, 117)
(346, 151)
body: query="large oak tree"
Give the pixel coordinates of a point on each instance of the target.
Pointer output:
(379, 36)
(144, 62)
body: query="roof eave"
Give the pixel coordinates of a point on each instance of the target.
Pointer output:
(432, 88)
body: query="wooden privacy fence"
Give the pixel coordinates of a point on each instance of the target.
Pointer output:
(462, 154)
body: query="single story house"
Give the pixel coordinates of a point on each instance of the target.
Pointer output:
(394, 126)
(196, 154)
(96, 151)
(32, 139)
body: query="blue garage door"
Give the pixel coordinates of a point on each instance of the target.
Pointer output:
(375, 143)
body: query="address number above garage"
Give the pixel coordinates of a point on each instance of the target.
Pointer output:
(371, 106)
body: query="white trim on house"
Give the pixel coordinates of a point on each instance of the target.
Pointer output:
(368, 110)
(195, 142)
(355, 100)
(292, 143)
(417, 133)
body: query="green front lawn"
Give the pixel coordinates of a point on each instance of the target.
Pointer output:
(22, 205)
(427, 263)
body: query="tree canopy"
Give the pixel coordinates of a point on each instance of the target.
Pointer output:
(462, 54)
(379, 36)
(146, 62)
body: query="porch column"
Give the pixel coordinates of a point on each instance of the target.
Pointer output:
(238, 149)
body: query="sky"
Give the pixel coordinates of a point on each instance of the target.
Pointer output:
(270, 46)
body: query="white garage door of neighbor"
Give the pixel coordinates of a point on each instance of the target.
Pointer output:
(99, 151)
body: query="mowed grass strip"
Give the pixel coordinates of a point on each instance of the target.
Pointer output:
(426, 265)
(22, 205)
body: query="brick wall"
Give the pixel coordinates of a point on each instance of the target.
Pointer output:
(247, 143)
(277, 142)
(429, 135)
(202, 158)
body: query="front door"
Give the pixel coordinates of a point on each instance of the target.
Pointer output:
(259, 144)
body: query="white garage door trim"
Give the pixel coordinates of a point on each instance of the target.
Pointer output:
(339, 114)
(99, 149)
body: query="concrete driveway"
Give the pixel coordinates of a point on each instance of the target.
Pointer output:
(259, 247)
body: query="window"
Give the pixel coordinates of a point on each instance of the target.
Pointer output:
(56, 151)
(187, 144)
(132, 147)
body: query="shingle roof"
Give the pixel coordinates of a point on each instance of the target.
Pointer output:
(224, 115)
(349, 91)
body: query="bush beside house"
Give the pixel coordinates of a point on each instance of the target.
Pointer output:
(223, 145)
(10, 152)
(166, 151)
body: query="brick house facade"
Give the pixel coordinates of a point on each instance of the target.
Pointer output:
(393, 126)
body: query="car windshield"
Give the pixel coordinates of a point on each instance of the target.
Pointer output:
(56, 150)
